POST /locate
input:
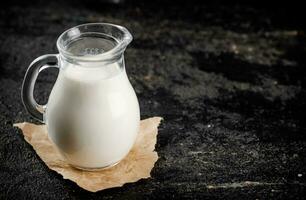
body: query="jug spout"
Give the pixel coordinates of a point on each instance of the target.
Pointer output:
(127, 39)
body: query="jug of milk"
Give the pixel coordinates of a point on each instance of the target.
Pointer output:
(92, 114)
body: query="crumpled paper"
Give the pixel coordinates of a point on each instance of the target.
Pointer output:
(135, 166)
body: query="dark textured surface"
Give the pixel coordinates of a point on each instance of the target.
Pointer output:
(228, 80)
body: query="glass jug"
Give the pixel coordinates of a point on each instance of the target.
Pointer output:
(92, 114)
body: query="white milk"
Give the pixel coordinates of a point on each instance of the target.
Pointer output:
(93, 115)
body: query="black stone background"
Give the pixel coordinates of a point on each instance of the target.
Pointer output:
(228, 78)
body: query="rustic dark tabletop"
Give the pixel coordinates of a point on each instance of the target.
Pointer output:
(229, 81)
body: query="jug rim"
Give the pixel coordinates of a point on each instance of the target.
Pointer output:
(109, 55)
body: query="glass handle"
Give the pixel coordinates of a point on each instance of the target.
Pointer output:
(27, 95)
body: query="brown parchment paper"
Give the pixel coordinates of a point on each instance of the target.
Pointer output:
(135, 166)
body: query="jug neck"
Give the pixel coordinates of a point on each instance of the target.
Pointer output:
(94, 44)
